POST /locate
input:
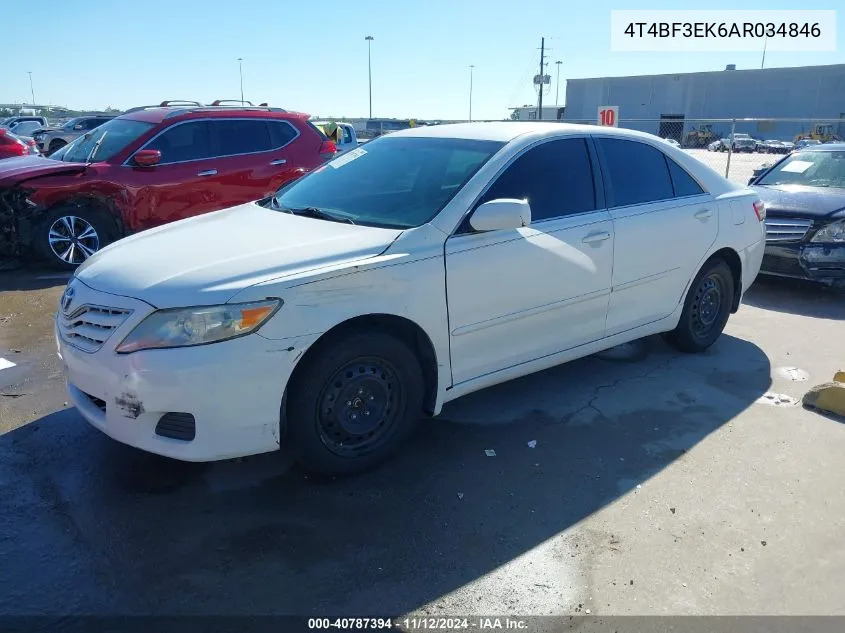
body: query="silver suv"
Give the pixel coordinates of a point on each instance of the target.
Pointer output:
(51, 139)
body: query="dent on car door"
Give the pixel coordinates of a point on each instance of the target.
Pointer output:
(183, 184)
(664, 224)
(519, 294)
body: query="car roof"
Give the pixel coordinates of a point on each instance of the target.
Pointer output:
(157, 114)
(506, 131)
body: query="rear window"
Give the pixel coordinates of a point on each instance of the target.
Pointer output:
(231, 137)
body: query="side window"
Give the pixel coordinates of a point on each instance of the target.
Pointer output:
(682, 182)
(183, 142)
(556, 178)
(90, 124)
(240, 136)
(281, 133)
(636, 172)
(347, 135)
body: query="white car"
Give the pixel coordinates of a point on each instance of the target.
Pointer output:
(428, 264)
(343, 134)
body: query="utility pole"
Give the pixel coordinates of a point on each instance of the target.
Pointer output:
(470, 92)
(370, 39)
(241, 71)
(557, 90)
(542, 72)
(765, 41)
(31, 89)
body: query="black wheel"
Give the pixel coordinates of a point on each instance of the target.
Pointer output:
(706, 310)
(68, 235)
(56, 145)
(353, 402)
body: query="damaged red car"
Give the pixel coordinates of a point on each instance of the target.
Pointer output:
(150, 166)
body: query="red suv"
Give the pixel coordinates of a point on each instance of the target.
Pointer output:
(149, 166)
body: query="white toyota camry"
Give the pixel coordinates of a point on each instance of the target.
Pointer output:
(428, 264)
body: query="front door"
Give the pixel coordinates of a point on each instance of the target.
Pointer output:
(664, 225)
(520, 294)
(185, 183)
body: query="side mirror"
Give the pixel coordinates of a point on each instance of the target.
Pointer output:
(147, 157)
(505, 213)
(78, 126)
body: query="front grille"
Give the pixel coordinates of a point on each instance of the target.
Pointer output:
(88, 327)
(97, 402)
(786, 229)
(177, 426)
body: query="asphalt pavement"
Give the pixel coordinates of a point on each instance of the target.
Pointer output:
(643, 482)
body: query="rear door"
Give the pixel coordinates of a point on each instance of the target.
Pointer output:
(664, 224)
(185, 182)
(255, 156)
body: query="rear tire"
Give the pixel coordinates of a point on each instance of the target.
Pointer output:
(68, 235)
(353, 403)
(706, 309)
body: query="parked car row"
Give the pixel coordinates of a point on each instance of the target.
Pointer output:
(745, 143)
(146, 167)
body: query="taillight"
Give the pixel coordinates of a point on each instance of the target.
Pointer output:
(328, 149)
(13, 146)
(760, 210)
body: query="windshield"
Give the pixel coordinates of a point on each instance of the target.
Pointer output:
(809, 169)
(102, 142)
(392, 182)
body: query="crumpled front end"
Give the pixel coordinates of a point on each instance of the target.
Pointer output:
(17, 214)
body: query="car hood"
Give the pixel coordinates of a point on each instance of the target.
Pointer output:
(208, 259)
(810, 202)
(15, 170)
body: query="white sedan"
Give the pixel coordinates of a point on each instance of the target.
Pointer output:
(425, 265)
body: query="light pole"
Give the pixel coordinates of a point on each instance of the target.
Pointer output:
(370, 39)
(31, 89)
(471, 66)
(557, 90)
(765, 41)
(241, 71)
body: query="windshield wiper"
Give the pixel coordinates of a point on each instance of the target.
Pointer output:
(316, 212)
(95, 148)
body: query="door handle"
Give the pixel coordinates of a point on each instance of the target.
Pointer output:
(207, 172)
(703, 214)
(278, 161)
(595, 238)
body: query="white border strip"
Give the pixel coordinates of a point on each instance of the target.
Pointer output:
(6, 364)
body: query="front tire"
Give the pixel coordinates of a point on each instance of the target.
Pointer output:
(56, 145)
(706, 309)
(353, 403)
(68, 235)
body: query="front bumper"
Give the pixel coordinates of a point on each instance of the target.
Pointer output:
(233, 389)
(815, 262)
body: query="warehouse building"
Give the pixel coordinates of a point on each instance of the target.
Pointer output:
(672, 105)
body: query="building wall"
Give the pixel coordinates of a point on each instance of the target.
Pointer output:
(816, 92)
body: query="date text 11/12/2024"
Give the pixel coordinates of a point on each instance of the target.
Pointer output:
(411, 624)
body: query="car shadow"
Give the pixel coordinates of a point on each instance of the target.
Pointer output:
(24, 279)
(91, 526)
(798, 297)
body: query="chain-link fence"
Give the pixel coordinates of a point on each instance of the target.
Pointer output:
(736, 148)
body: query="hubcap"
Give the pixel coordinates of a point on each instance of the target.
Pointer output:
(359, 406)
(73, 239)
(707, 304)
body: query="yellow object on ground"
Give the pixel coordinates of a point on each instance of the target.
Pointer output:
(829, 397)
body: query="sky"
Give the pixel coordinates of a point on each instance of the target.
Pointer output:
(313, 58)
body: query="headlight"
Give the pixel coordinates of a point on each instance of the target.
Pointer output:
(185, 327)
(833, 233)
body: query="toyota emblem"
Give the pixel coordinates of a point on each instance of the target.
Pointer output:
(67, 299)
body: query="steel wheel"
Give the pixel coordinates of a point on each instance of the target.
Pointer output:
(359, 406)
(707, 304)
(73, 239)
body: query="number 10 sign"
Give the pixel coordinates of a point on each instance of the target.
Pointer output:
(609, 115)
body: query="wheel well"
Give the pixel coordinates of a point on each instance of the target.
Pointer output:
(100, 205)
(731, 258)
(403, 329)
